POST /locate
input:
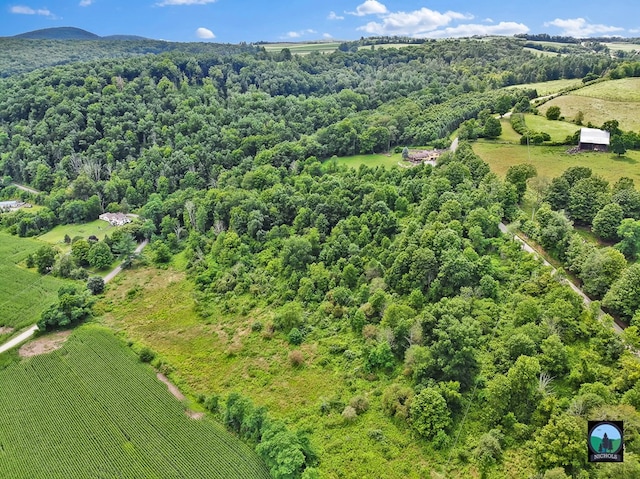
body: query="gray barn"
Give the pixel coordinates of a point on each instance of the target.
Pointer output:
(594, 139)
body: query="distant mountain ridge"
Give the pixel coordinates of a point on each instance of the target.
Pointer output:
(71, 33)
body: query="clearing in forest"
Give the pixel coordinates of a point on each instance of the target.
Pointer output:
(91, 409)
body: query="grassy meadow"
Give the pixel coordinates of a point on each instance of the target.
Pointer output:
(558, 130)
(372, 160)
(24, 293)
(223, 353)
(303, 48)
(96, 228)
(550, 87)
(624, 46)
(92, 409)
(614, 99)
(552, 161)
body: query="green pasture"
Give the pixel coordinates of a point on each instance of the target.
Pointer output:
(624, 46)
(96, 228)
(303, 48)
(550, 87)
(223, 353)
(600, 102)
(623, 90)
(92, 409)
(558, 130)
(24, 293)
(542, 53)
(552, 161)
(372, 160)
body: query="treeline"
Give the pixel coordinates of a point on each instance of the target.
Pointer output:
(288, 455)
(613, 214)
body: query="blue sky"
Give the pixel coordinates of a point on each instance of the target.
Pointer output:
(233, 21)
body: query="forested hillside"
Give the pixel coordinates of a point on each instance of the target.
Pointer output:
(414, 338)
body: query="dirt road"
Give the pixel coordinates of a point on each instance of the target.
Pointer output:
(22, 337)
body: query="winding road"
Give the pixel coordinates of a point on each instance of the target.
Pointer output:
(22, 337)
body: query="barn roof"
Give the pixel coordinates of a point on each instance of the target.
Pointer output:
(594, 136)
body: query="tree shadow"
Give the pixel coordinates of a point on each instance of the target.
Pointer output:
(624, 159)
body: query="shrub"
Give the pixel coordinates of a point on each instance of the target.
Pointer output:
(360, 404)
(296, 358)
(95, 284)
(295, 336)
(257, 326)
(146, 355)
(349, 414)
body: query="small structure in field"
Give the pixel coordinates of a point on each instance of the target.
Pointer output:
(12, 205)
(594, 139)
(115, 219)
(424, 156)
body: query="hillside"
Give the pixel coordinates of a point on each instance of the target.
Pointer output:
(343, 322)
(58, 33)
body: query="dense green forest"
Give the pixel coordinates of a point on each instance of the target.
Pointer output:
(431, 320)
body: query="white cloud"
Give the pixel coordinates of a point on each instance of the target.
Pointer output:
(369, 7)
(471, 29)
(164, 3)
(24, 10)
(299, 33)
(334, 16)
(205, 33)
(416, 23)
(488, 20)
(85, 3)
(327, 35)
(579, 27)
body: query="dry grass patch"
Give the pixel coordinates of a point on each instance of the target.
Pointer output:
(44, 345)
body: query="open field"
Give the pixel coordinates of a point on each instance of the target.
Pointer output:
(24, 293)
(624, 46)
(623, 90)
(558, 130)
(96, 228)
(91, 409)
(552, 161)
(223, 354)
(542, 53)
(550, 87)
(614, 99)
(380, 159)
(303, 48)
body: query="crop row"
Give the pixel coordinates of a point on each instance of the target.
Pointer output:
(92, 410)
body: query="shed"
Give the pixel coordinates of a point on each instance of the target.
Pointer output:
(594, 139)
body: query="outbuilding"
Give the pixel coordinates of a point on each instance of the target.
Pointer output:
(594, 139)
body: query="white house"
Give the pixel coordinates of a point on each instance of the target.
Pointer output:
(115, 219)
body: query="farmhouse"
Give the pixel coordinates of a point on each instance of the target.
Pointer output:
(594, 139)
(115, 219)
(424, 156)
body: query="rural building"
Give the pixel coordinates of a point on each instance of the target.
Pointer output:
(594, 139)
(424, 156)
(13, 205)
(115, 219)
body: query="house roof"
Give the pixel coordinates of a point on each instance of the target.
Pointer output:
(8, 204)
(595, 136)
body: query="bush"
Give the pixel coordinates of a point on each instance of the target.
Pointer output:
(360, 404)
(95, 284)
(296, 358)
(349, 414)
(295, 336)
(146, 355)
(553, 113)
(257, 326)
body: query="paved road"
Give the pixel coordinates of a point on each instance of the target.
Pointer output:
(19, 339)
(117, 269)
(31, 331)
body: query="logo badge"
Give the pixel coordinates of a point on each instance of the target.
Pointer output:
(606, 441)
